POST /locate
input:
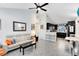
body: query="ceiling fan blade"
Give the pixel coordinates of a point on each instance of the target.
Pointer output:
(36, 4)
(37, 11)
(44, 4)
(32, 8)
(43, 9)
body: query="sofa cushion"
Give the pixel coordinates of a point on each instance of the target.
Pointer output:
(20, 43)
(14, 41)
(2, 51)
(8, 41)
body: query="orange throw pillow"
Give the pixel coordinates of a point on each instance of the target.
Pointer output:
(8, 41)
(2, 52)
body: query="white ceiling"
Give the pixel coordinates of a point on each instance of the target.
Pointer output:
(57, 12)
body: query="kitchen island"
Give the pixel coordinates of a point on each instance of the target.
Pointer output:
(51, 36)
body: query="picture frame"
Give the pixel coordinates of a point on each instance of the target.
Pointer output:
(41, 26)
(19, 26)
(32, 26)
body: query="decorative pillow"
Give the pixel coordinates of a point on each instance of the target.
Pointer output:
(2, 51)
(14, 41)
(8, 41)
(0, 42)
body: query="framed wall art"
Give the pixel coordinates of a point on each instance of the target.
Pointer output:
(32, 26)
(19, 26)
(41, 26)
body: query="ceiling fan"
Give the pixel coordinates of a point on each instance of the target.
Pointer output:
(39, 7)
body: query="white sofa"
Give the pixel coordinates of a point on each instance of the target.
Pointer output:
(20, 39)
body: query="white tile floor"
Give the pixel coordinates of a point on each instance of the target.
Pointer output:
(45, 48)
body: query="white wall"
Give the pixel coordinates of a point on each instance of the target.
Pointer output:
(42, 21)
(77, 27)
(7, 17)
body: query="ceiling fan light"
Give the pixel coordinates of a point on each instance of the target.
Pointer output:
(38, 8)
